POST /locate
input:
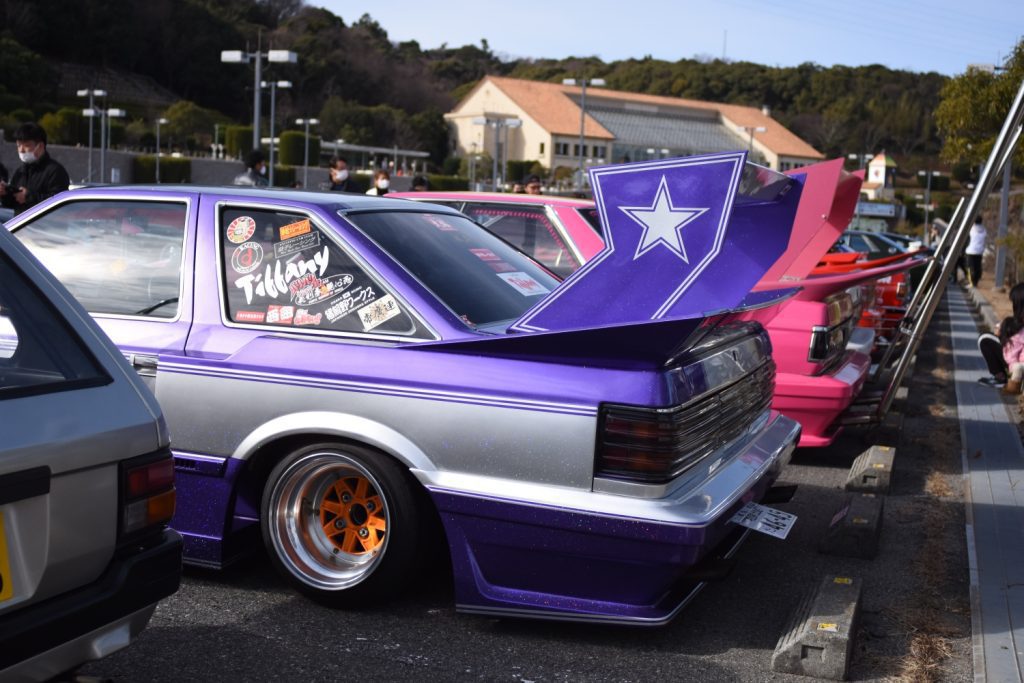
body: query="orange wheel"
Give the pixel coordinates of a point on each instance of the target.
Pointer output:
(352, 515)
(330, 515)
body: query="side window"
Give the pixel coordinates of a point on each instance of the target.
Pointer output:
(281, 270)
(39, 352)
(115, 257)
(858, 243)
(529, 229)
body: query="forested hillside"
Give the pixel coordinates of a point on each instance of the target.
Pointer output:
(369, 90)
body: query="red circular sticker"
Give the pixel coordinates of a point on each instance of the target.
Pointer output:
(241, 229)
(247, 257)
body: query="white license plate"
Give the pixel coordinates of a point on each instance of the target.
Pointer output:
(765, 519)
(6, 581)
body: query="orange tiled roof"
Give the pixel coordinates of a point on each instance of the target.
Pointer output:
(549, 106)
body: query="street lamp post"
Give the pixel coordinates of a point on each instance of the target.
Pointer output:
(500, 125)
(273, 85)
(90, 93)
(159, 122)
(112, 113)
(751, 130)
(583, 83)
(242, 57)
(927, 201)
(305, 154)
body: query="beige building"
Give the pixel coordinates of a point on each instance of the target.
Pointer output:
(619, 126)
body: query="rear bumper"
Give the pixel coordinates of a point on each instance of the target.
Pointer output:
(48, 638)
(621, 560)
(816, 402)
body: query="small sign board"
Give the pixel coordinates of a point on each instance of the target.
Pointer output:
(876, 209)
(765, 519)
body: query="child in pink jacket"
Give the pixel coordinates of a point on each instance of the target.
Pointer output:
(1009, 344)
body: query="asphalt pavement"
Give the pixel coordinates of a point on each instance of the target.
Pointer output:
(246, 624)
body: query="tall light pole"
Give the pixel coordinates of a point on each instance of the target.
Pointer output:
(583, 83)
(159, 122)
(500, 125)
(242, 57)
(305, 152)
(112, 113)
(751, 130)
(273, 85)
(90, 93)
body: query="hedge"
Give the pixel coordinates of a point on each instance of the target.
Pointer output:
(447, 182)
(284, 176)
(292, 148)
(172, 169)
(237, 141)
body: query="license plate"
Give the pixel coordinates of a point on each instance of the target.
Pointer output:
(6, 581)
(765, 519)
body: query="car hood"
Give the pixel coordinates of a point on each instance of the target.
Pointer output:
(687, 239)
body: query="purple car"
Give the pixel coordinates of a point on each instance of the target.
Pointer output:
(358, 382)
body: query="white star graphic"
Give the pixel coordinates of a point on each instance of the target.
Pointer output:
(662, 223)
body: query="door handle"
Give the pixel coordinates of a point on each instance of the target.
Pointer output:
(144, 363)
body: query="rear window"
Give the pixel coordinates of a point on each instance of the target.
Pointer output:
(39, 352)
(530, 229)
(478, 276)
(591, 217)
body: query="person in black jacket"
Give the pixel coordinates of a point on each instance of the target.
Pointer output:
(39, 177)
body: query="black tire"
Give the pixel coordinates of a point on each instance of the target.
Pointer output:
(342, 524)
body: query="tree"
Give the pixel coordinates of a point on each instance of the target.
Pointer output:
(189, 124)
(973, 108)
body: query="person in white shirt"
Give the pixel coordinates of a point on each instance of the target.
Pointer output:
(381, 183)
(975, 251)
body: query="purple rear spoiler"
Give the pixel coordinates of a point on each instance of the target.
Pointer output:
(687, 239)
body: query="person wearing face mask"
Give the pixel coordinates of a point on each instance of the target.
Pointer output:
(255, 172)
(341, 181)
(39, 177)
(381, 183)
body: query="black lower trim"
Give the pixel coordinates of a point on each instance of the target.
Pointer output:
(136, 578)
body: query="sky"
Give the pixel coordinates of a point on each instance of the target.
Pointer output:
(915, 35)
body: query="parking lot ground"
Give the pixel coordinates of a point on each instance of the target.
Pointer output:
(245, 624)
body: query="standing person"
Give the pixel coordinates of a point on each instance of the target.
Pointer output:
(340, 178)
(39, 177)
(381, 183)
(255, 172)
(1004, 354)
(532, 184)
(975, 251)
(420, 184)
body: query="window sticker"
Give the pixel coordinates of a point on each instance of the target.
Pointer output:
(309, 289)
(378, 312)
(303, 317)
(293, 245)
(348, 302)
(241, 229)
(440, 223)
(523, 283)
(250, 316)
(280, 315)
(247, 257)
(502, 266)
(485, 255)
(274, 280)
(295, 229)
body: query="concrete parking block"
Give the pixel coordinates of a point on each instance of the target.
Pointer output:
(819, 639)
(855, 528)
(872, 470)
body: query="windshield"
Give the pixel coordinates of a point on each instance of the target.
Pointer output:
(478, 276)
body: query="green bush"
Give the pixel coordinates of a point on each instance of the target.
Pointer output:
(292, 148)
(451, 166)
(447, 182)
(284, 176)
(172, 169)
(237, 141)
(940, 183)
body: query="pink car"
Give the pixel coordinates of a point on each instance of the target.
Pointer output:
(822, 356)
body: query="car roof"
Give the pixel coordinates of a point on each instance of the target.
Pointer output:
(327, 200)
(466, 196)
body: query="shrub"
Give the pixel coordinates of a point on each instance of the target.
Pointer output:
(292, 148)
(172, 169)
(447, 182)
(237, 141)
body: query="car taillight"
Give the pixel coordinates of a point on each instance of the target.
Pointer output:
(147, 492)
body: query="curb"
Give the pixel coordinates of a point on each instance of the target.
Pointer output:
(985, 310)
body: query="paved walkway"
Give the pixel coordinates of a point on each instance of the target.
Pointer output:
(994, 467)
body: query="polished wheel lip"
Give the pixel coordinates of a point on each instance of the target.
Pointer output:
(296, 532)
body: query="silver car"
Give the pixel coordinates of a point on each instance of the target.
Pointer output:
(86, 483)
